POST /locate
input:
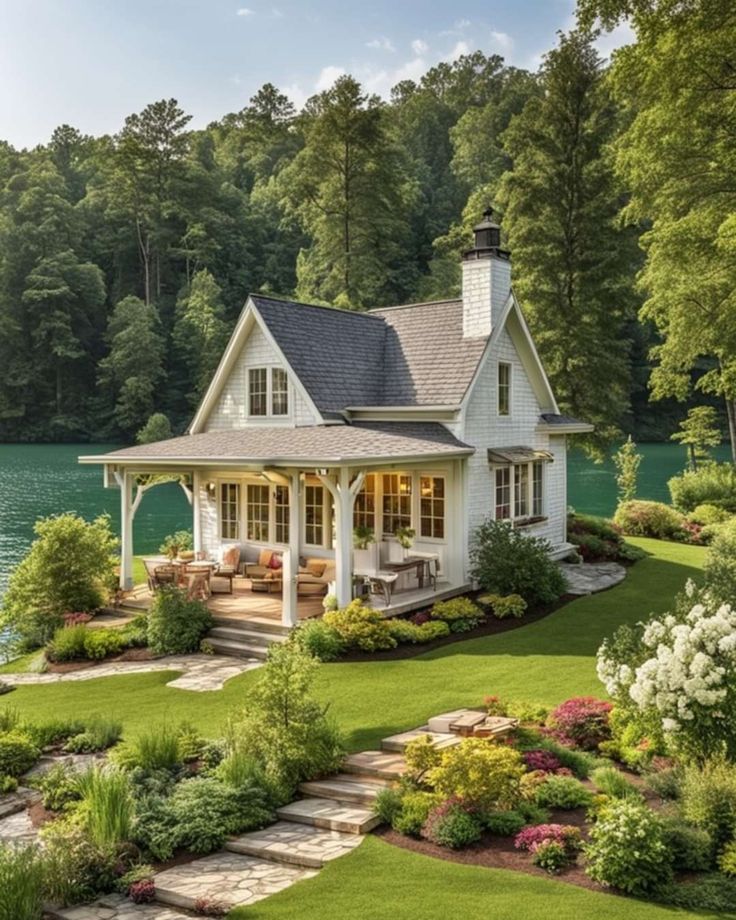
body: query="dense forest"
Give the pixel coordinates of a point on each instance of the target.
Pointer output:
(126, 259)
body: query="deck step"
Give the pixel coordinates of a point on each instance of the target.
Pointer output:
(441, 740)
(378, 764)
(238, 649)
(334, 816)
(345, 788)
(255, 623)
(294, 844)
(249, 636)
(229, 879)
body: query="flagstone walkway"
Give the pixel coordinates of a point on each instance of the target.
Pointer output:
(591, 577)
(200, 673)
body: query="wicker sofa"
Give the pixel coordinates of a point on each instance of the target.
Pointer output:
(314, 574)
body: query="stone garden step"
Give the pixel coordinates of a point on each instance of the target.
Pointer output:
(295, 844)
(225, 878)
(249, 636)
(335, 816)
(116, 907)
(238, 649)
(379, 764)
(345, 788)
(441, 740)
(13, 802)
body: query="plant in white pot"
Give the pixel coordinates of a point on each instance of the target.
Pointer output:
(365, 556)
(404, 537)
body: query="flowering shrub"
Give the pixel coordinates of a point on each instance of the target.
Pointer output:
(76, 619)
(551, 857)
(648, 519)
(484, 774)
(541, 760)
(684, 670)
(210, 907)
(627, 849)
(460, 613)
(584, 719)
(495, 706)
(452, 824)
(142, 892)
(566, 835)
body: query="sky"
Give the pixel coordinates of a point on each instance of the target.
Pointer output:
(89, 63)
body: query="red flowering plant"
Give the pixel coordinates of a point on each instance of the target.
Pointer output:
(566, 835)
(142, 892)
(76, 619)
(541, 760)
(495, 706)
(584, 719)
(419, 618)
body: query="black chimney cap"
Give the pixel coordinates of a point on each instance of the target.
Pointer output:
(487, 239)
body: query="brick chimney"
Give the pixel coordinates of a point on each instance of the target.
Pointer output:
(486, 279)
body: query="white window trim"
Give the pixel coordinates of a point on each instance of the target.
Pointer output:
(326, 518)
(415, 507)
(529, 517)
(269, 369)
(239, 486)
(418, 516)
(510, 366)
(243, 513)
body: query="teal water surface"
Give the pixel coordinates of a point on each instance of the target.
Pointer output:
(41, 479)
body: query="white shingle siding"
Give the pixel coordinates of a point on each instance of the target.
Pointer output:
(231, 410)
(486, 288)
(484, 428)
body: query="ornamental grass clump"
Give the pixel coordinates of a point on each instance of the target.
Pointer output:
(107, 805)
(21, 883)
(627, 849)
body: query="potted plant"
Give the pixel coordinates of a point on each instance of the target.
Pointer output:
(179, 543)
(365, 557)
(404, 537)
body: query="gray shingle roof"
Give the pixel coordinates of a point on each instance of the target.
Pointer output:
(427, 361)
(554, 419)
(321, 443)
(412, 355)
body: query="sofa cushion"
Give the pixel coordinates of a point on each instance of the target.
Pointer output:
(316, 567)
(264, 557)
(276, 561)
(230, 556)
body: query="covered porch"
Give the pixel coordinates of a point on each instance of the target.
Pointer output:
(286, 524)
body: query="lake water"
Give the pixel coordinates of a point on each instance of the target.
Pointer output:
(41, 479)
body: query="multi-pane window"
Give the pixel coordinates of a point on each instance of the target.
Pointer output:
(257, 391)
(364, 512)
(281, 513)
(521, 490)
(503, 493)
(504, 388)
(537, 488)
(279, 392)
(257, 513)
(396, 502)
(229, 511)
(314, 515)
(432, 507)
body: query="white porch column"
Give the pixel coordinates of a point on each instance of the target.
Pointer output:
(343, 494)
(290, 600)
(126, 530)
(196, 512)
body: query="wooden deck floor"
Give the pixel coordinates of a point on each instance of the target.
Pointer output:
(247, 604)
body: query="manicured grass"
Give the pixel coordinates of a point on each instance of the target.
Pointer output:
(546, 661)
(19, 665)
(378, 880)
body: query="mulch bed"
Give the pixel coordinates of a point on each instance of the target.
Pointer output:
(499, 853)
(490, 627)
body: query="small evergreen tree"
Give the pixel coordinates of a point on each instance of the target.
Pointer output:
(157, 428)
(627, 461)
(698, 432)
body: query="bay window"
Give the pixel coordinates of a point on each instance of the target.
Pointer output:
(519, 491)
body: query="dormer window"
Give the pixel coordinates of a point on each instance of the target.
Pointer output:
(504, 388)
(268, 392)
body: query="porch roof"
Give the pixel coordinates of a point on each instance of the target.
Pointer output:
(313, 445)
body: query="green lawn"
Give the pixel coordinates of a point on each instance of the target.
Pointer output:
(378, 880)
(546, 661)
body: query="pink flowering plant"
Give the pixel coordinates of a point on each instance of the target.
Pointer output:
(142, 892)
(553, 846)
(584, 719)
(545, 761)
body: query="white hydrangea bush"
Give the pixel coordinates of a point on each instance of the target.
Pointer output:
(683, 668)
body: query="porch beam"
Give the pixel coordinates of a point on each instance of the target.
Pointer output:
(290, 599)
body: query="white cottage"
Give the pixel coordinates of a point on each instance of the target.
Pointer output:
(428, 417)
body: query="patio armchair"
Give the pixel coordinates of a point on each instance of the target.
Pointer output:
(228, 566)
(315, 577)
(159, 575)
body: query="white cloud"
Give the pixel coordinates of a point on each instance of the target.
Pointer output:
(419, 47)
(277, 13)
(459, 50)
(381, 82)
(383, 44)
(462, 24)
(327, 77)
(244, 11)
(622, 35)
(501, 40)
(297, 94)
